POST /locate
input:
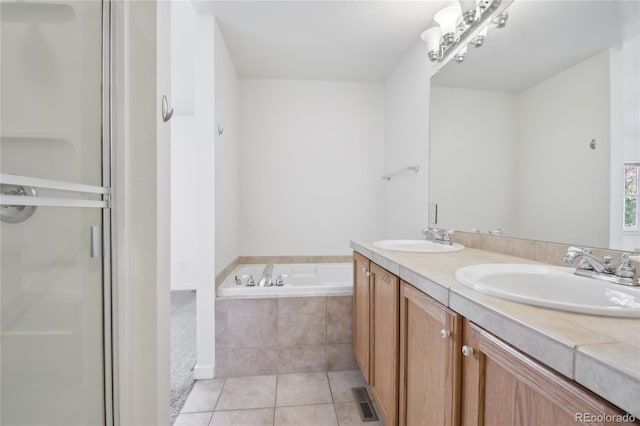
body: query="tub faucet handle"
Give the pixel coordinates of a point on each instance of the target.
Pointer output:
(251, 282)
(280, 280)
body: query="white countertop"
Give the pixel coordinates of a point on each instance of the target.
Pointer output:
(600, 353)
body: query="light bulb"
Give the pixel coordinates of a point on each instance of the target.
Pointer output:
(432, 38)
(478, 40)
(448, 18)
(459, 58)
(468, 11)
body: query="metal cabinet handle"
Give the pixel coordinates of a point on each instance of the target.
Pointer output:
(467, 350)
(166, 112)
(445, 333)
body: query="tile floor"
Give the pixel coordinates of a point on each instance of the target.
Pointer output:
(298, 399)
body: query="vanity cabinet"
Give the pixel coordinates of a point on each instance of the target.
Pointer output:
(361, 312)
(430, 340)
(501, 386)
(376, 298)
(428, 365)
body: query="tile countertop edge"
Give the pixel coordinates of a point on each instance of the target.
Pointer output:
(610, 383)
(553, 351)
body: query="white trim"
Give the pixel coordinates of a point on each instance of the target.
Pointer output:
(183, 286)
(20, 200)
(51, 184)
(201, 372)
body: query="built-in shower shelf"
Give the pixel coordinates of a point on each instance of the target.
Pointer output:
(30, 136)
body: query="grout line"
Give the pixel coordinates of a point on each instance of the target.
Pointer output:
(333, 398)
(275, 397)
(220, 394)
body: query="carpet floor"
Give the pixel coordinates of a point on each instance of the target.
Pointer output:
(183, 347)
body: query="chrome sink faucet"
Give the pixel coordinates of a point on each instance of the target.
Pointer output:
(440, 236)
(592, 267)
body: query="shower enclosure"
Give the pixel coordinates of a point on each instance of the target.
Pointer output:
(55, 220)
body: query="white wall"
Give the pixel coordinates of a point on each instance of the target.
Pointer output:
(183, 146)
(184, 198)
(406, 196)
(226, 146)
(554, 139)
(310, 162)
(183, 57)
(463, 125)
(204, 209)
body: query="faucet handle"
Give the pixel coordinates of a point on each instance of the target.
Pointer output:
(625, 269)
(280, 279)
(251, 282)
(496, 231)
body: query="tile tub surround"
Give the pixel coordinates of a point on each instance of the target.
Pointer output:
(573, 344)
(299, 399)
(283, 335)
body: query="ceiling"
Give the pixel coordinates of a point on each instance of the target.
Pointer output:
(320, 40)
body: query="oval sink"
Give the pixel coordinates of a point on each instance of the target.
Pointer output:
(552, 287)
(417, 246)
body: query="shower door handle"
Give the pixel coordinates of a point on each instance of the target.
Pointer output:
(166, 112)
(96, 241)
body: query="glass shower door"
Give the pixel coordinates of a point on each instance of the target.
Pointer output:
(54, 284)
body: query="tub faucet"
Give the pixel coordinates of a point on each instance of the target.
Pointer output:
(265, 280)
(440, 236)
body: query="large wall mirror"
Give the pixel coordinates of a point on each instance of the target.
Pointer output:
(538, 131)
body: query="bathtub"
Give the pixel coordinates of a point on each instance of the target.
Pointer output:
(300, 279)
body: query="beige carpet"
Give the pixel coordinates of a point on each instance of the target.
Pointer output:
(183, 347)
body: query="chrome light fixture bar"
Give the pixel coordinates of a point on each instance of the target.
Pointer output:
(456, 22)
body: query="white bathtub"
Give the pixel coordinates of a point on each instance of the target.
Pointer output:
(300, 279)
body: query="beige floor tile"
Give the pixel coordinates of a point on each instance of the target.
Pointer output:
(248, 392)
(306, 415)
(193, 419)
(203, 396)
(303, 388)
(348, 415)
(341, 383)
(255, 417)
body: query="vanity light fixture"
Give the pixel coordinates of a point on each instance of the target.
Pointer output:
(454, 24)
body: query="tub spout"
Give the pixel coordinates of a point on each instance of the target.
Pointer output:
(265, 280)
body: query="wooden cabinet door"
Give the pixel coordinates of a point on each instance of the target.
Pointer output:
(385, 344)
(430, 338)
(361, 313)
(502, 386)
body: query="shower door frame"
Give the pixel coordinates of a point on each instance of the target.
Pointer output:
(109, 307)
